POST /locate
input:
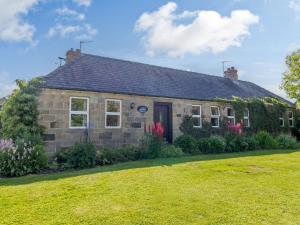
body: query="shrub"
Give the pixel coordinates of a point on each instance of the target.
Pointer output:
(122, 154)
(20, 159)
(82, 155)
(285, 141)
(213, 144)
(252, 143)
(217, 144)
(187, 143)
(204, 145)
(265, 140)
(150, 146)
(170, 151)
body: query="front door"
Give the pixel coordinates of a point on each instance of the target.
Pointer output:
(163, 114)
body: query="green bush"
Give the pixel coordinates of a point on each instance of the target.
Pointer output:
(252, 143)
(204, 145)
(82, 155)
(122, 154)
(217, 144)
(150, 146)
(21, 158)
(170, 151)
(265, 140)
(285, 141)
(187, 143)
(213, 144)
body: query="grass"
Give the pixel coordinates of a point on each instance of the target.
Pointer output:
(260, 187)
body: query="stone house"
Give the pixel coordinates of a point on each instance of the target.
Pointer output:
(111, 100)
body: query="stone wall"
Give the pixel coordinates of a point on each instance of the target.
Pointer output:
(54, 115)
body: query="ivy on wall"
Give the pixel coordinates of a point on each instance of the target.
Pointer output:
(264, 114)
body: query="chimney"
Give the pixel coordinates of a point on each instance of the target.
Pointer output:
(231, 73)
(71, 54)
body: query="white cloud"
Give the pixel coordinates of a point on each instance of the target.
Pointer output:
(88, 33)
(12, 26)
(85, 3)
(62, 30)
(67, 13)
(84, 32)
(6, 85)
(208, 32)
(295, 5)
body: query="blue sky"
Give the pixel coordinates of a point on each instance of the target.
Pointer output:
(195, 35)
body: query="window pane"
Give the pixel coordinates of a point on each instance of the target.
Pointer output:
(291, 123)
(214, 122)
(281, 115)
(214, 110)
(195, 110)
(290, 114)
(78, 120)
(229, 112)
(246, 122)
(112, 121)
(196, 122)
(246, 113)
(113, 106)
(78, 104)
(281, 122)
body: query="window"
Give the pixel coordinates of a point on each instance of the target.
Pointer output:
(196, 116)
(215, 116)
(291, 119)
(246, 118)
(113, 113)
(79, 112)
(281, 119)
(230, 115)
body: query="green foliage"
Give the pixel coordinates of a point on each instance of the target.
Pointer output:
(264, 113)
(186, 127)
(213, 144)
(249, 144)
(265, 140)
(286, 142)
(151, 146)
(82, 155)
(187, 143)
(22, 159)
(19, 116)
(170, 151)
(122, 154)
(291, 78)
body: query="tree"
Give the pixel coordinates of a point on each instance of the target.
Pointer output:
(291, 78)
(19, 116)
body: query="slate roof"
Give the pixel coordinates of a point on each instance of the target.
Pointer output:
(103, 74)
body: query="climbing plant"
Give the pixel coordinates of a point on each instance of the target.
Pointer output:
(264, 113)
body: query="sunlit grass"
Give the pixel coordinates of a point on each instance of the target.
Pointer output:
(241, 188)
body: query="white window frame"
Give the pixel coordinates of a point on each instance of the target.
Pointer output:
(79, 113)
(291, 119)
(198, 116)
(230, 117)
(281, 118)
(113, 114)
(247, 117)
(215, 116)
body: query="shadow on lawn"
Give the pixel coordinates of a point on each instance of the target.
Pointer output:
(133, 165)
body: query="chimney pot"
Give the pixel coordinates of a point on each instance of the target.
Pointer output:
(71, 54)
(231, 73)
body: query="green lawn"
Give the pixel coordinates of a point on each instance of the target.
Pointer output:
(240, 188)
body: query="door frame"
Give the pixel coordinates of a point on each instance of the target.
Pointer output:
(170, 117)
